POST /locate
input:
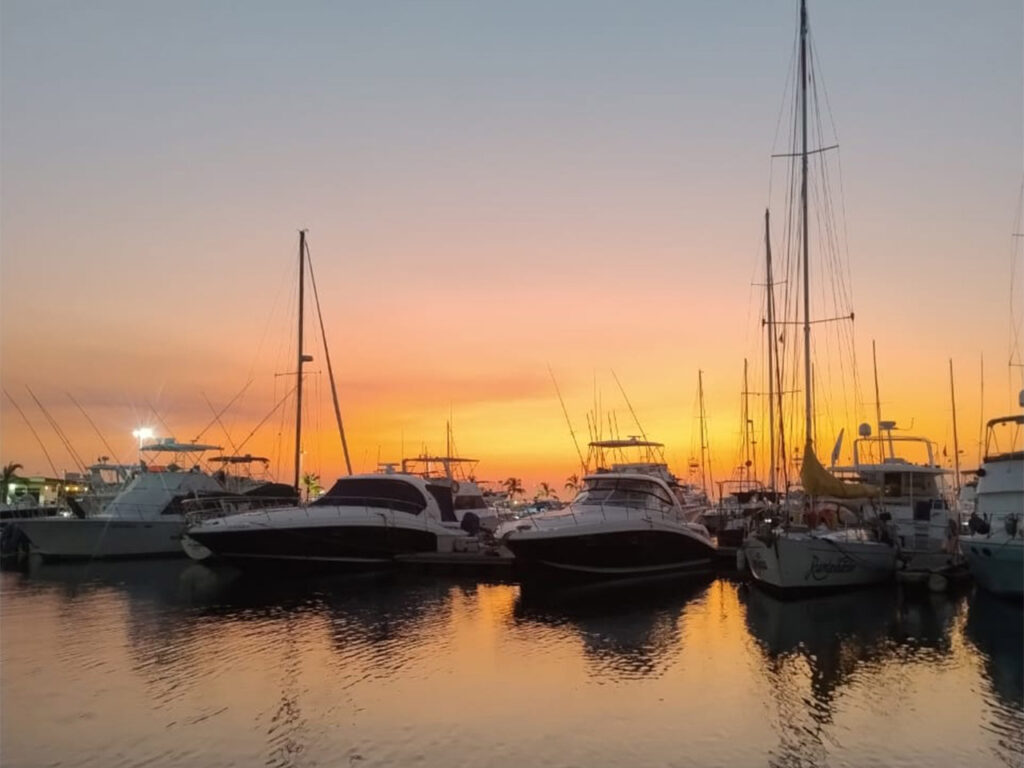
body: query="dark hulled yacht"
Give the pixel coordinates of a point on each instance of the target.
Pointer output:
(363, 521)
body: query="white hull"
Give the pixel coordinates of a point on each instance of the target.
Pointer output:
(813, 562)
(996, 562)
(104, 537)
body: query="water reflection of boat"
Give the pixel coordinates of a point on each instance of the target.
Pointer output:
(995, 627)
(627, 630)
(831, 644)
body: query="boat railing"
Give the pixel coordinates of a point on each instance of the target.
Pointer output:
(621, 510)
(199, 509)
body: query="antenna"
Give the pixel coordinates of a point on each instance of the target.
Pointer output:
(629, 405)
(572, 433)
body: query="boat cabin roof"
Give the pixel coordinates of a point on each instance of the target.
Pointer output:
(400, 492)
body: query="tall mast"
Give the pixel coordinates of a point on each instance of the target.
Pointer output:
(771, 346)
(705, 465)
(956, 440)
(301, 358)
(746, 423)
(878, 400)
(808, 426)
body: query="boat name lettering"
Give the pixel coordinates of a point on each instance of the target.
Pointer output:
(822, 569)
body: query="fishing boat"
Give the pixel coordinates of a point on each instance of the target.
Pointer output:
(913, 494)
(995, 547)
(834, 545)
(628, 520)
(146, 519)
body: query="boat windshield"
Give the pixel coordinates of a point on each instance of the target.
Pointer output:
(626, 492)
(374, 492)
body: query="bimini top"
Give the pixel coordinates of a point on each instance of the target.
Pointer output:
(170, 445)
(631, 442)
(246, 459)
(1011, 452)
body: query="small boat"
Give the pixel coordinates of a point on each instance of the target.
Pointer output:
(363, 521)
(146, 519)
(629, 520)
(995, 548)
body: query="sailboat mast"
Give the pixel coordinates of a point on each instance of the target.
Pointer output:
(808, 426)
(704, 468)
(771, 345)
(746, 424)
(301, 358)
(956, 440)
(878, 400)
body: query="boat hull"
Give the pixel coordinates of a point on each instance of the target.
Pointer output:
(103, 538)
(592, 553)
(342, 543)
(805, 563)
(997, 563)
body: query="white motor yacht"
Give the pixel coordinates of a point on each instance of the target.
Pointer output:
(145, 519)
(627, 521)
(995, 549)
(913, 495)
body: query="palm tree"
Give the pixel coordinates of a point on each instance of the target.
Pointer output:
(10, 473)
(312, 485)
(572, 483)
(545, 491)
(514, 486)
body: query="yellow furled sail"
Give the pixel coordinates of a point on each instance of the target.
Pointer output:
(818, 481)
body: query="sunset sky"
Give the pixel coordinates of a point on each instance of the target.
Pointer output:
(490, 188)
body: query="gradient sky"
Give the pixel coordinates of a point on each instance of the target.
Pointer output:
(490, 188)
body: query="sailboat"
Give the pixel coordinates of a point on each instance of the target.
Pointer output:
(364, 520)
(811, 557)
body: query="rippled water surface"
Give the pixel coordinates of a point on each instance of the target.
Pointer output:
(174, 663)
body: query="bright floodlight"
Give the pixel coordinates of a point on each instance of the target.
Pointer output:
(142, 433)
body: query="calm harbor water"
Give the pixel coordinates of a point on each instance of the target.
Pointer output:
(177, 664)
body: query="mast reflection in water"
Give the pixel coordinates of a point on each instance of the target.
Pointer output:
(175, 664)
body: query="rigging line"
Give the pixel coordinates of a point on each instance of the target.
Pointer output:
(327, 357)
(282, 286)
(33, 431)
(216, 418)
(273, 410)
(218, 414)
(579, 453)
(629, 405)
(60, 433)
(95, 429)
(159, 418)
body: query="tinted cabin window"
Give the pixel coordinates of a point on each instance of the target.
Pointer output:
(470, 502)
(371, 492)
(443, 495)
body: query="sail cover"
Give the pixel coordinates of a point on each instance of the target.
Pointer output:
(818, 481)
